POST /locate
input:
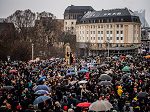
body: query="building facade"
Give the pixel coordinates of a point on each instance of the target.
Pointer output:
(108, 31)
(72, 14)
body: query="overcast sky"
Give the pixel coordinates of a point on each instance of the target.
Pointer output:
(57, 7)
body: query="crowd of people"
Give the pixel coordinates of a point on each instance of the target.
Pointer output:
(52, 86)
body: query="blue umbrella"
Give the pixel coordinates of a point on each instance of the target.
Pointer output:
(70, 70)
(86, 68)
(83, 71)
(41, 92)
(71, 73)
(43, 77)
(115, 57)
(41, 99)
(42, 87)
(35, 70)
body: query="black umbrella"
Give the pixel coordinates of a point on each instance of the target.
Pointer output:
(125, 76)
(105, 83)
(142, 94)
(105, 77)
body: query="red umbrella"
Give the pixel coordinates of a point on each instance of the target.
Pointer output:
(13, 71)
(84, 104)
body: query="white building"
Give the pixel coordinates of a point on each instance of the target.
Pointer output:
(118, 30)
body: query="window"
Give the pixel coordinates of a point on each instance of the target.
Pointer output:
(91, 38)
(87, 32)
(99, 45)
(87, 38)
(107, 26)
(98, 38)
(107, 21)
(121, 38)
(82, 32)
(72, 23)
(117, 38)
(101, 38)
(107, 38)
(117, 25)
(110, 26)
(110, 32)
(107, 32)
(94, 38)
(110, 38)
(66, 23)
(72, 28)
(98, 26)
(101, 26)
(121, 26)
(121, 32)
(101, 32)
(117, 32)
(93, 32)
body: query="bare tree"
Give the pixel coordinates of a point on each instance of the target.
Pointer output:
(23, 21)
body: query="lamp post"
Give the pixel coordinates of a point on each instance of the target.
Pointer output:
(108, 40)
(108, 47)
(32, 51)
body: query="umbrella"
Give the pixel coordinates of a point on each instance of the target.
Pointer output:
(126, 69)
(73, 82)
(35, 70)
(71, 73)
(83, 71)
(105, 77)
(115, 57)
(128, 56)
(125, 76)
(41, 92)
(43, 77)
(8, 87)
(147, 57)
(100, 105)
(41, 99)
(105, 83)
(70, 70)
(84, 104)
(13, 71)
(42, 87)
(142, 94)
(109, 72)
(82, 82)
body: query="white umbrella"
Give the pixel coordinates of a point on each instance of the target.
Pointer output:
(82, 82)
(109, 72)
(100, 105)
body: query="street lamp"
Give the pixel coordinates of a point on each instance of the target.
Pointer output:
(108, 47)
(32, 51)
(108, 40)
